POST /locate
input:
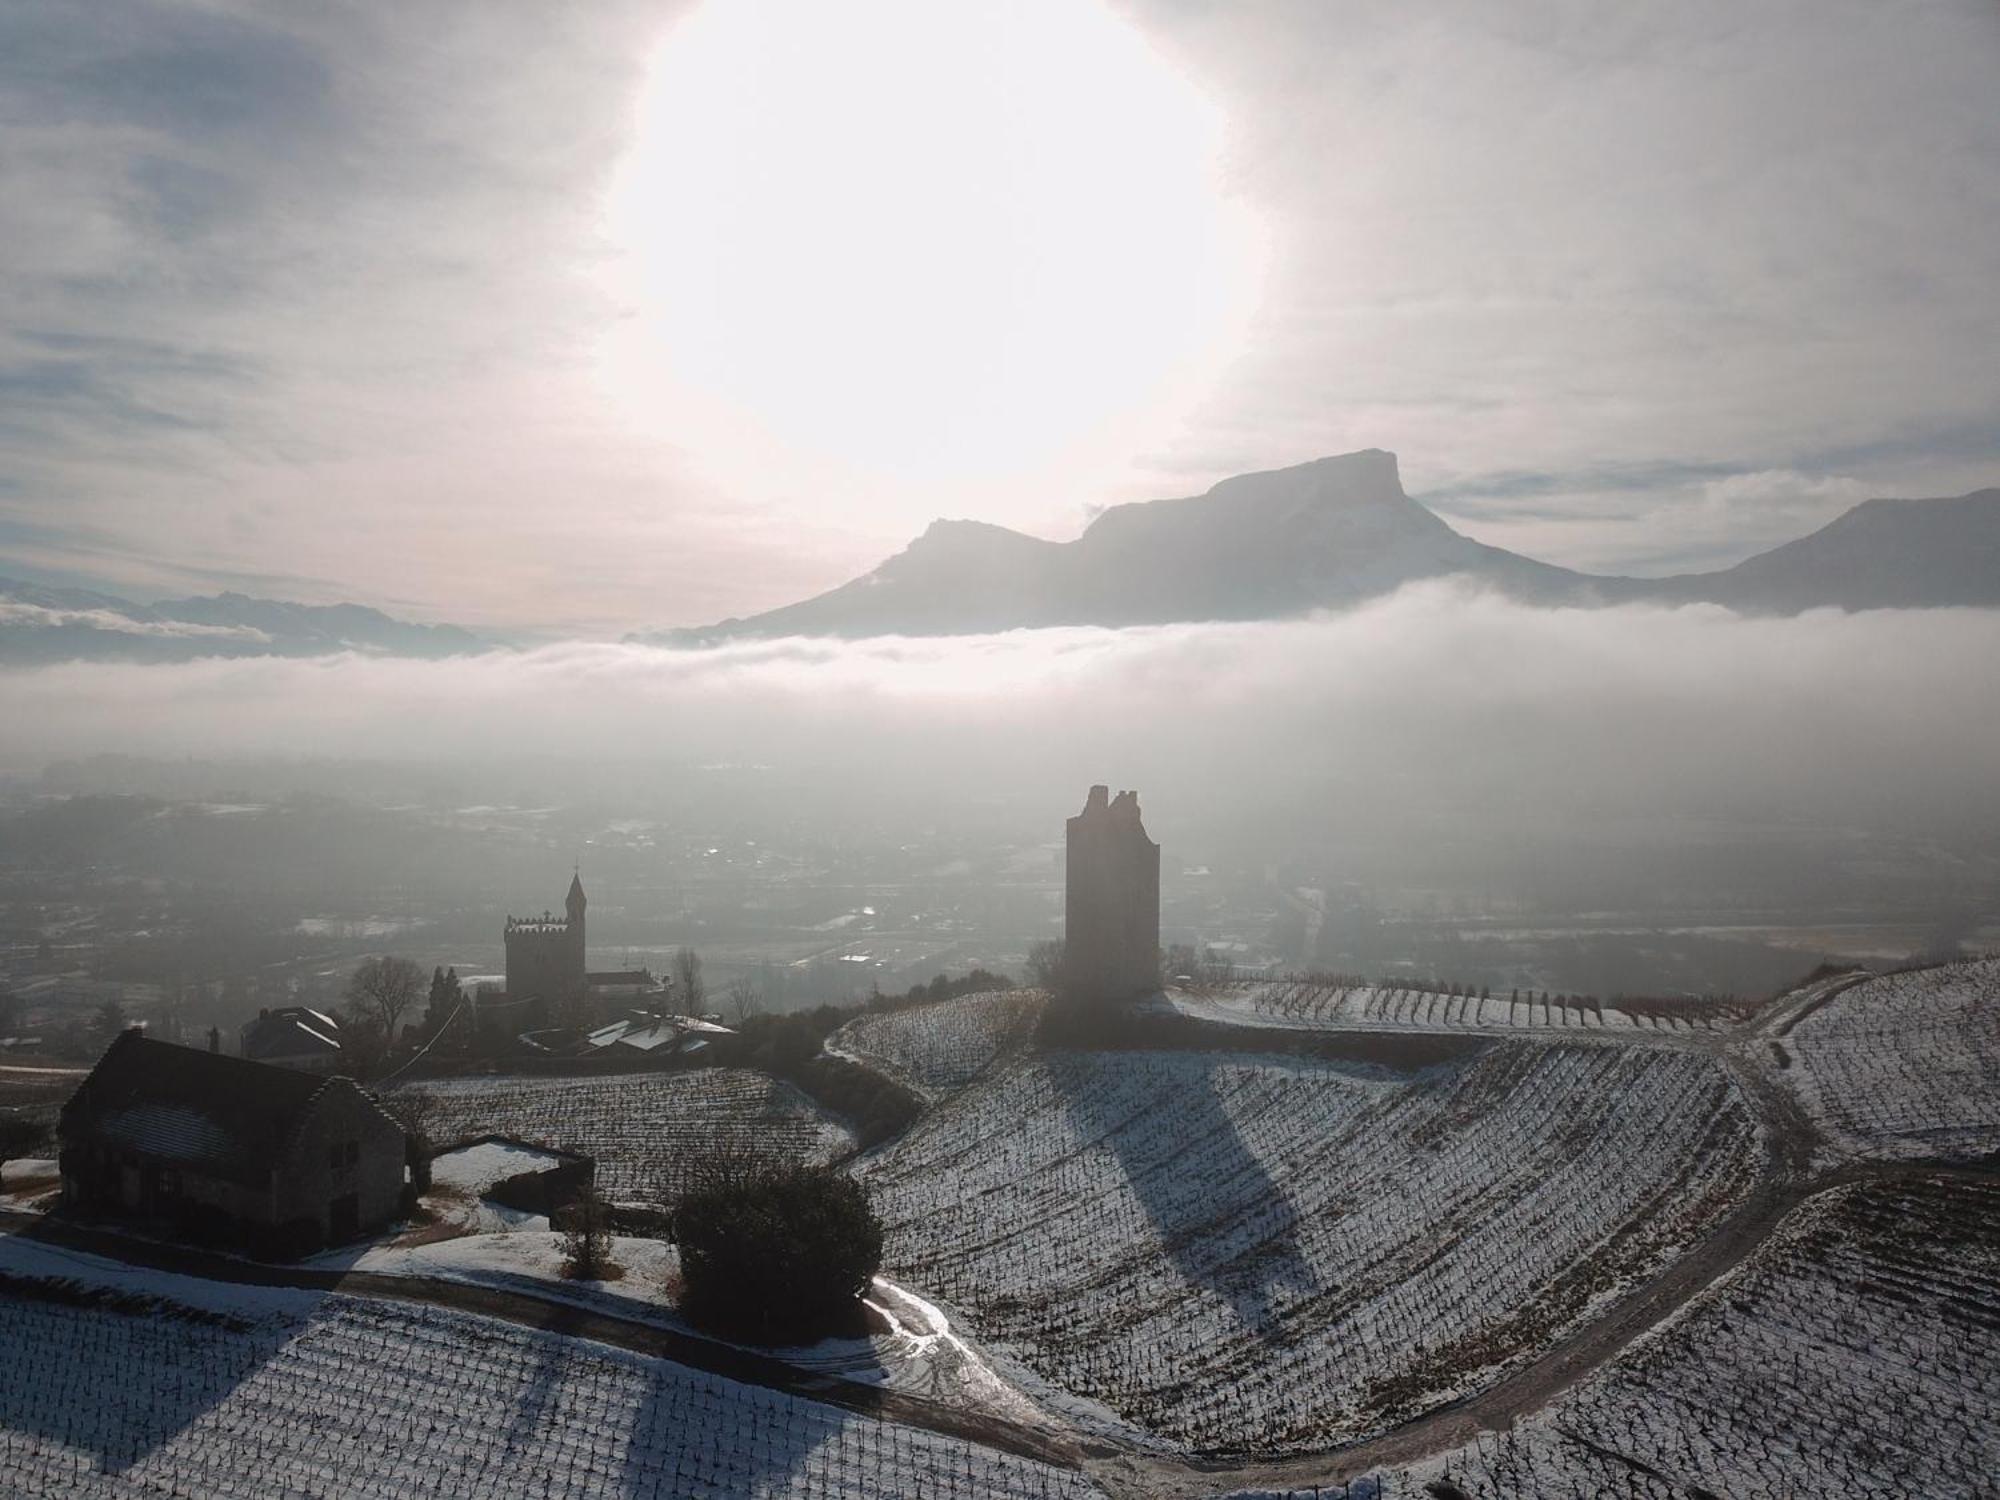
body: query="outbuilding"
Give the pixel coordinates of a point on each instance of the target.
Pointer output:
(226, 1150)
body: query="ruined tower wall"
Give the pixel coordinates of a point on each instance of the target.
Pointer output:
(1111, 901)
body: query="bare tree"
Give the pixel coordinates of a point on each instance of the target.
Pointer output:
(687, 981)
(361, 1045)
(587, 1238)
(742, 998)
(416, 1110)
(383, 988)
(718, 1164)
(107, 1023)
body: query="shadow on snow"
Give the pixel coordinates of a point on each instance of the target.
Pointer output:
(1225, 1224)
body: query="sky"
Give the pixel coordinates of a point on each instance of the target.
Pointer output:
(578, 320)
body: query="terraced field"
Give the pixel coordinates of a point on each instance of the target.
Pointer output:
(1906, 1065)
(1853, 1356)
(1245, 1253)
(934, 1049)
(267, 1394)
(1310, 1004)
(643, 1128)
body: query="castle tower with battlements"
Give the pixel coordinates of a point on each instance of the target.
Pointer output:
(545, 958)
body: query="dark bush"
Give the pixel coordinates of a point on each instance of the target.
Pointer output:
(777, 1254)
(21, 1136)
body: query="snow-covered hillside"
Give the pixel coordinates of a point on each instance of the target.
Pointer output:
(1333, 1005)
(643, 1128)
(1852, 1356)
(933, 1049)
(1245, 1253)
(1906, 1065)
(233, 1391)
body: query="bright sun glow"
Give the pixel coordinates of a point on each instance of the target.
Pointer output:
(912, 243)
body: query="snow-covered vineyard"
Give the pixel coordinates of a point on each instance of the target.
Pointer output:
(642, 1127)
(934, 1049)
(1243, 1253)
(1853, 1356)
(1318, 1004)
(281, 1394)
(1239, 1255)
(1906, 1065)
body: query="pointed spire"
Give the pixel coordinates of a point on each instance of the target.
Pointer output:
(575, 901)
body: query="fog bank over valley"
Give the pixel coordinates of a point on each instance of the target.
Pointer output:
(1432, 705)
(1386, 788)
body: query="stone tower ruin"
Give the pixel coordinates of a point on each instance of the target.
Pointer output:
(1111, 901)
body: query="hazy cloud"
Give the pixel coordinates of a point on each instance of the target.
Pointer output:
(1432, 710)
(36, 616)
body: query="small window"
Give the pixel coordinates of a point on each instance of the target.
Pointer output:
(353, 1152)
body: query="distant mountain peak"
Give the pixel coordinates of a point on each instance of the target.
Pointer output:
(48, 625)
(1336, 531)
(1348, 478)
(947, 532)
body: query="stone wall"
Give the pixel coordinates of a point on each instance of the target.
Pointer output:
(544, 961)
(316, 1170)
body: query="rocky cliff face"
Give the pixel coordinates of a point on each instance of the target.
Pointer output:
(1320, 535)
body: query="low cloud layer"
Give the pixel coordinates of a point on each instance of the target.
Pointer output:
(1433, 711)
(36, 616)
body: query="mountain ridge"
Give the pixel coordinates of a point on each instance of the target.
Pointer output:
(1330, 533)
(1334, 532)
(43, 625)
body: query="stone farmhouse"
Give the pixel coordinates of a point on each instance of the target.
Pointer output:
(229, 1151)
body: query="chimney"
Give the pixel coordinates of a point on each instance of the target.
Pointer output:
(215, 1038)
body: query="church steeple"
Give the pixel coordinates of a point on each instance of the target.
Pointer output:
(575, 903)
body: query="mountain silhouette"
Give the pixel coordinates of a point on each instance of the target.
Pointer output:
(40, 625)
(1336, 532)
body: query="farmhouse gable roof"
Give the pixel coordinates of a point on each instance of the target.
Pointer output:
(219, 1116)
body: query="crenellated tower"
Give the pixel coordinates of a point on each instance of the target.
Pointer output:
(545, 954)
